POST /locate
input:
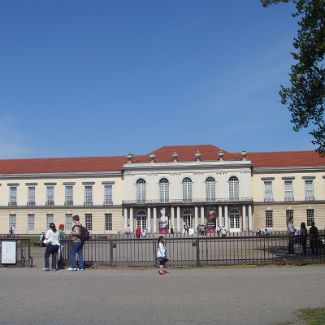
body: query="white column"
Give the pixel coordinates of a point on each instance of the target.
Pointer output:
(220, 216)
(250, 218)
(226, 218)
(202, 215)
(178, 219)
(244, 219)
(125, 218)
(196, 218)
(172, 218)
(148, 221)
(131, 220)
(154, 220)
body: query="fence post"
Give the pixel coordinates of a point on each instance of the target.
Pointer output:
(197, 247)
(111, 251)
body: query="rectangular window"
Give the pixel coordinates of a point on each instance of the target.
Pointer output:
(108, 221)
(289, 215)
(49, 219)
(88, 195)
(288, 190)
(268, 193)
(309, 190)
(50, 195)
(68, 223)
(310, 217)
(89, 221)
(68, 199)
(12, 220)
(268, 219)
(13, 195)
(108, 194)
(31, 222)
(31, 195)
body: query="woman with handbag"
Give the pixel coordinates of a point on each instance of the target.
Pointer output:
(161, 255)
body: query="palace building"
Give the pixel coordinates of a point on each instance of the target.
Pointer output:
(172, 188)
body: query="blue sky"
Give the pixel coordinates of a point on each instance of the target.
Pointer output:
(97, 78)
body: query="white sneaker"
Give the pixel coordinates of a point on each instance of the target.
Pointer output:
(72, 269)
(81, 269)
(46, 269)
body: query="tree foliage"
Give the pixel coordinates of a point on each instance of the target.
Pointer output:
(306, 93)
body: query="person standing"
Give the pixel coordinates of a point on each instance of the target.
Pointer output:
(76, 245)
(52, 247)
(161, 255)
(313, 235)
(303, 237)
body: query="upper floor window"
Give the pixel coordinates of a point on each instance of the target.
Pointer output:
(309, 189)
(31, 195)
(233, 188)
(68, 195)
(288, 190)
(108, 194)
(13, 195)
(141, 190)
(164, 190)
(88, 195)
(268, 193)
(187, 189)
(49, 195)
(210, 187)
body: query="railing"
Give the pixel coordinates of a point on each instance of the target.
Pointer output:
(23, 250)
(205, 250)
(188, 201)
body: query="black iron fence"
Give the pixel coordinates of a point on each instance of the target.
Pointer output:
(15, 251)
(204, 250)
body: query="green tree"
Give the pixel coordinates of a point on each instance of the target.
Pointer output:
(306, 93)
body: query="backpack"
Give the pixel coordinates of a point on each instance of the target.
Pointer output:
(84, 234)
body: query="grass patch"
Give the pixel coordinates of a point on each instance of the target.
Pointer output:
(312, 316)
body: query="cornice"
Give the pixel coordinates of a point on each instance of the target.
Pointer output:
(277, 170)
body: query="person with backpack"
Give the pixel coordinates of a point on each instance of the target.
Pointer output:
(77, 245)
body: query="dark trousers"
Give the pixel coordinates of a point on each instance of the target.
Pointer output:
(51, 250)
(290, 245)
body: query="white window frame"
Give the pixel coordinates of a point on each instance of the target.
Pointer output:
(108, 194)
(288, 190)
(233, 188)
(88, 195)
(31, 193)
(142, 219)
(50, 195)
(269, 219)
(12, 220)
(164, 190)
(310, 215)
(187, 189)
(309, 190)
(13, 195)
(31, 222)
(210, 189)
(108, 221)
(289, 215)
(234, 219)
(49, 219)
(141, 190)
(268, 191)
(68, 222)
(68, 195)
(89, 221)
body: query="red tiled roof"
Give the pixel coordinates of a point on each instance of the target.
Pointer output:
(163, 154)
(286, 159)
(62, 165)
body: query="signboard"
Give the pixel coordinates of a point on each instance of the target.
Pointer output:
(211, 221)
(8, 252)
(163, 222)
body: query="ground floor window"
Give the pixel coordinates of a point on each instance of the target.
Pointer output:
(89, 221)
(187, 219)
(49, 219)
(310, 217)
(142, 220)
(12, 220)
(289, 215)
(268, 219)
(68, 223)
(108, 221)
(31, 222)
(234, 219)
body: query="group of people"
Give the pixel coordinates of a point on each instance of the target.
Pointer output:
(54, 243)
(302, 235)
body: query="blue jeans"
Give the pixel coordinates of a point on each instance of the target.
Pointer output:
(51, 250)
(76, 248)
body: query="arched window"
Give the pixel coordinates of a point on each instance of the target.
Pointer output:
(141, 190)
(210, 186)
(187, 189)
(142, 220)
(234, 219)
(233, 188)
(164, 190)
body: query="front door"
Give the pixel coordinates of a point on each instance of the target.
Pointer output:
(234, 220)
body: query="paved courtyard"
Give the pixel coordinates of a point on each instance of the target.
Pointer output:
(255, 295)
